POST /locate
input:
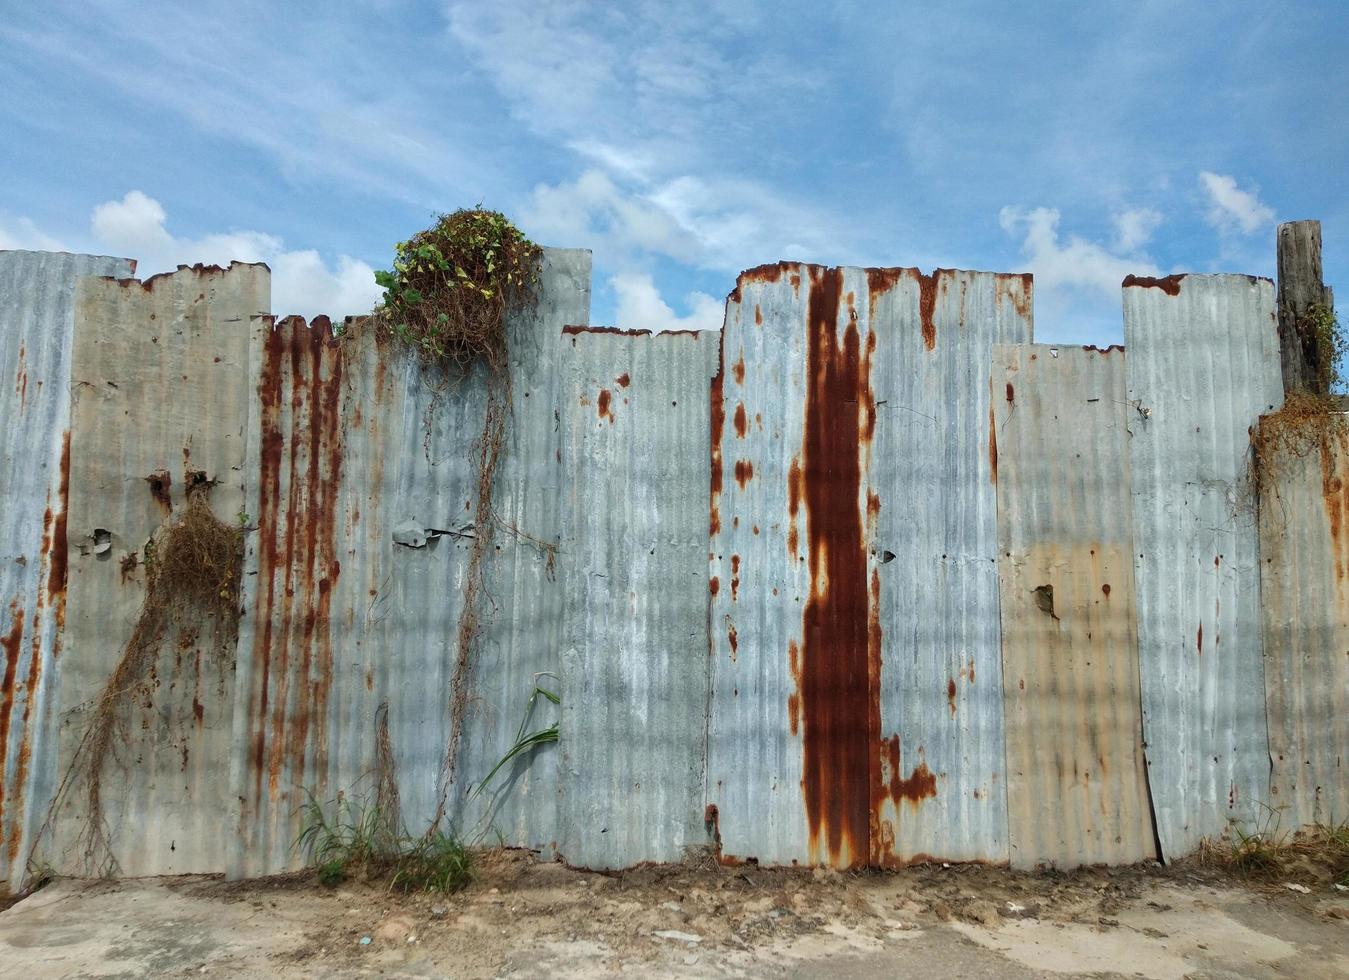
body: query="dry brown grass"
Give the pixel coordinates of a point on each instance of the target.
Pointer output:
(193, 568)
(1306, 423)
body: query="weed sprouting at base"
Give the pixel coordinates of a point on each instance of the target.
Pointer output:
(346, 839)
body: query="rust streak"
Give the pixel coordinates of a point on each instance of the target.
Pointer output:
(11, 644)
(992, 446)
(717, 413)
(927, 305)
(741, 421)
(744, 472)
(603, 405)
(835, 656)
(1169, 284)
(738, 369)
(793, 504)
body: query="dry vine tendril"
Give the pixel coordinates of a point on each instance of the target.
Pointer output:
(446, 297)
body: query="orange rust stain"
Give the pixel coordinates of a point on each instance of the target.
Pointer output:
(717, 413)
(714, 585)
(881, 281)
(738, 369)
(744, 472)
(21, 378)
(873, 504)
(730, 635)
(888, 784)
(1169, 285)
(1105, 590)
(794, 699)
(735, 577)
(161, 488)
(835, 672)
(10, 643)
(795, 280)
(741, 422)
(1335, 496)
(951, 695)
(1011, 392)
(603, 406)
(969, 670)
(302, 372)
(1020, 299)
(927, 305)
(60, 553)
(992, 446)
(758, 315)
(623, 380)
(793, 503)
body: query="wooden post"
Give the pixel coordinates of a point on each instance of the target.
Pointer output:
(1300, 288)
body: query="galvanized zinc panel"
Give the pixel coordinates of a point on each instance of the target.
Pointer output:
(1076, 786)
(363, 464)
(1203, 365)
(942, 786)
(1304, 592)
(633, 559)
(36, 325)
(159, 404)
(759, 576)
(853, 564)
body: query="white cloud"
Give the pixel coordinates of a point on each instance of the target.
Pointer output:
(640, 307)
(1134, 228)
(1231, 208)
(302, 282)
(23, 234)
(1074, 264)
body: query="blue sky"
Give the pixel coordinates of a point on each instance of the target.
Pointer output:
(1079, 141)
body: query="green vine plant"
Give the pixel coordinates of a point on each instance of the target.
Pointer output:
(1324, 340)
(447, 298)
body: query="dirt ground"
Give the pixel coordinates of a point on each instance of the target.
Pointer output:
(527, 918)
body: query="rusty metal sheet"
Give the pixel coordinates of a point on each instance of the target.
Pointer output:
(1203, 365)
(1076, 785)
(1304, 593)
(36, 326)
(361, 472)
(158, 402)
(853, 566)
(634, 554)
(942, 781)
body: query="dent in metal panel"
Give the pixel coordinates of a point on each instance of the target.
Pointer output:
(158, 403)
(942, 785)
(1304, 590)
(1203, 365)
(1076, 786)
(36, 326)
(634, 563)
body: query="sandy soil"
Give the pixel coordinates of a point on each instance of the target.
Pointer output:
(525, 918)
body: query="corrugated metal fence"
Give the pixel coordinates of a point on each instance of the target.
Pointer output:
(869, 578)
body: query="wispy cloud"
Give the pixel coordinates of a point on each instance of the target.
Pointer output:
(1233, 209)
(22, 233)
(640, 305)
(302, 282)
